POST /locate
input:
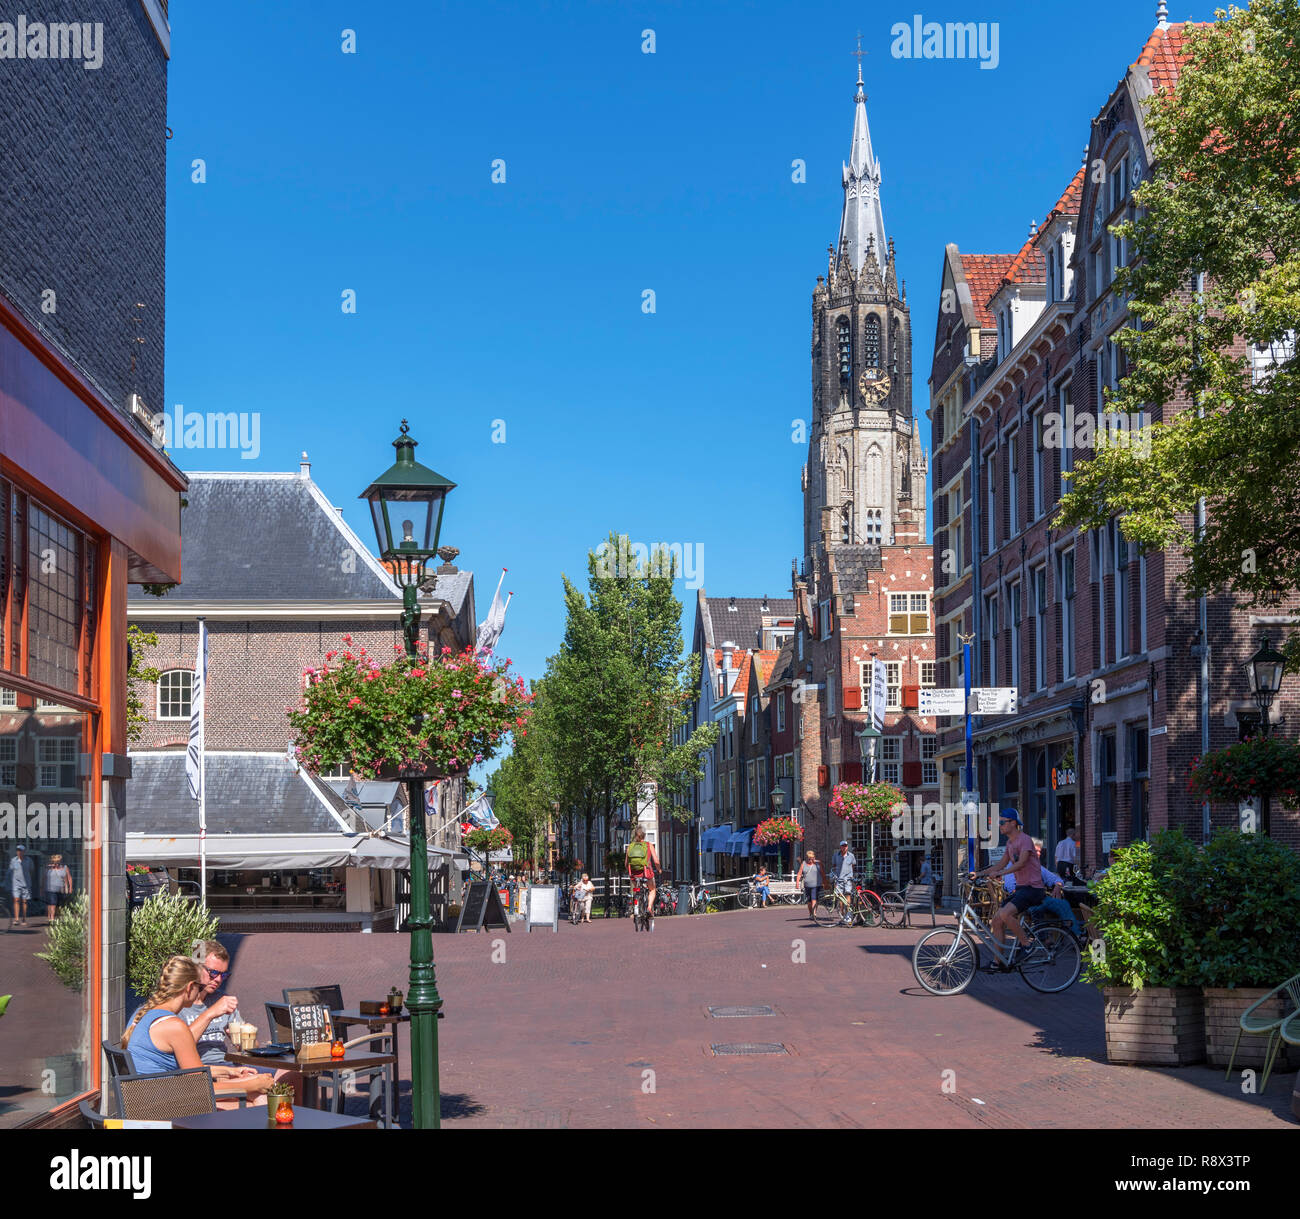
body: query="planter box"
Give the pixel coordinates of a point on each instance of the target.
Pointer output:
(1223, 1009)
(1158, 1026)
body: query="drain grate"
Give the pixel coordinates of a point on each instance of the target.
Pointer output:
(723, 1012)
(748, 1047)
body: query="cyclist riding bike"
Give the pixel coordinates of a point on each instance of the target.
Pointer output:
(1020, 860)
(642, 862)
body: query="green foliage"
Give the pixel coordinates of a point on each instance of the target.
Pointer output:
(1222, 201)
(1137, 917)
(440, 713)
(1248, 770)
(65, 943)
(165, 926)
(138, 674)
(1239, 907)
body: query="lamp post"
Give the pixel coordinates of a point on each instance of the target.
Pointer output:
(1264, 676)
(413, 497)
(778, 799)
(867, 739)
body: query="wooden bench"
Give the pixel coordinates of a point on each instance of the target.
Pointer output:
(921, 898)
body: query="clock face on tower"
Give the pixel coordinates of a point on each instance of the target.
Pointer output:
(873, 385)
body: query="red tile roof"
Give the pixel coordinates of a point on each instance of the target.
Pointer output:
(984, 273)
(1165, 53)
(1068, 203)
(763, 662)
(1029, 266)
(742, 685)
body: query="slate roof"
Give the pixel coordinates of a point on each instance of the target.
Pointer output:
(268, 537)
(248, 793)
(782, 667)
(853, 565)
(743, 625)
(984, 272)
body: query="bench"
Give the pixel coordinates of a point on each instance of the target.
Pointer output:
(921, 898)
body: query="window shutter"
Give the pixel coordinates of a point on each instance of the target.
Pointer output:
(911, 774)
(823, 776)
(852, 698)
(851, 772)
(911, 698)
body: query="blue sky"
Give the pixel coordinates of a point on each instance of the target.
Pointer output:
(522, 301)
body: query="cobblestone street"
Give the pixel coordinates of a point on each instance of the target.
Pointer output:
(563, 1031)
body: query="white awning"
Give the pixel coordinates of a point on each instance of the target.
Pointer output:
(275, 852)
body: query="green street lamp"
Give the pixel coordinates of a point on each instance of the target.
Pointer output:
(406, 502)
(867, 739)
(411, 497)
(1264, 676)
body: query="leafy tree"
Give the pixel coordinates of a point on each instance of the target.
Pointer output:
(521, 788)
(1221, 202)
(138, 674)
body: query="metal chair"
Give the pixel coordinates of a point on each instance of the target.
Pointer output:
(120, 1062)
(1273, 1025)
(92, 1115)
(162, 1097)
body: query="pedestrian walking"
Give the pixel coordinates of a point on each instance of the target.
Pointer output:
(58, 886)
(926, 875)
(583, 892)
(810, 876)
(842, 866)
(20, 886)
(1067, 854)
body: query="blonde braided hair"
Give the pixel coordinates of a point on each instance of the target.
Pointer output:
(177, 974)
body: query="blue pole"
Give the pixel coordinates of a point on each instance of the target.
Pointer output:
(970, 761)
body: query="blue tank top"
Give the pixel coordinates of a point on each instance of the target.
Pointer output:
(148, 1058)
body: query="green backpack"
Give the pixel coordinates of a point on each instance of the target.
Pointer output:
(638, 854)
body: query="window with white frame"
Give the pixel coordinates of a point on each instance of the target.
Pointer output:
(1142, 601)
(955, 532)
(1265, 358)
(826, 619)
(8, 698)
(780, 711)
(991, 499)
(8, 761)
(893, 685)
(891, 759)
(1013, 615)
(909, 613)
(1051, 275)
(1121, 591)
(927, 672)
(990, 668)
(1013, 480)
(1065, 404)
(751, 785)
(1065, 567)
(760, 776)
(753, 720)
(56, 762)
(929, 763)
(1039, 472)
(830, 693)
(1040, 627)
(174, 690)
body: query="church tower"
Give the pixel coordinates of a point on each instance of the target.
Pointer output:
(864, 481)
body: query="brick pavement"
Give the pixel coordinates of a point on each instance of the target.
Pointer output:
(562, 1032)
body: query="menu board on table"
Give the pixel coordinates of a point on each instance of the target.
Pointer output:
(310, 1024)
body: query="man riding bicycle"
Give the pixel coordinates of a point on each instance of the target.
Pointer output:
(642, 861)
(1020, 860)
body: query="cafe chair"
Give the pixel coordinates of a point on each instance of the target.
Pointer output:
(331, 996)
(162, 1097)
(119, 1063)
(1258, 1026)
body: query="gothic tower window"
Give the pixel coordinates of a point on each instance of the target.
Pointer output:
(871, 344)
(846, 352)
(893, 350)
(844, 527)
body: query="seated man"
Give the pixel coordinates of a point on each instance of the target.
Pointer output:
(1054, 903)
(209, 1024)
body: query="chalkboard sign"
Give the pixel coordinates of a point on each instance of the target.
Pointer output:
(544, 907)
(482, 908)
(310, 1024)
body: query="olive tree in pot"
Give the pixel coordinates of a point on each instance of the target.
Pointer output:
(1154, 1012)
(1240, 926)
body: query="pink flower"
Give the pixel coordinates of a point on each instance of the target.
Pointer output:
(417, 672)
(354, 702)
(456, 694)
(347, 638)
(446, 651)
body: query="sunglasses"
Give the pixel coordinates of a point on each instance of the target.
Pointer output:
(216, 973)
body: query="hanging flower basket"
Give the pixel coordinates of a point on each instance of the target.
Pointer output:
(421, 718)
(861, 803)
(776, 830)
(486, 841)
(1248, 770)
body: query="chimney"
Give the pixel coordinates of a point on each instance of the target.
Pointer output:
(727, 676)
(304, 467)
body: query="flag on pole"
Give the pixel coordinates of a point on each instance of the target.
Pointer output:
(479, 812)
(194, 752)
(490, 628)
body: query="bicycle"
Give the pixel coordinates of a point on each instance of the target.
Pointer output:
(697, 900)
(641, 918)
(945, 960)
(861, 906)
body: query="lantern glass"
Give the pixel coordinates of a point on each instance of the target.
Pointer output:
(406, 504)
(1264, 671)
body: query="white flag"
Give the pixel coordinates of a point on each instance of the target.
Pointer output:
(479, 812)
(490, 628)
(197, 692)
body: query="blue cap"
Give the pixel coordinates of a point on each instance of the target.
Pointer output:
(1009, 814)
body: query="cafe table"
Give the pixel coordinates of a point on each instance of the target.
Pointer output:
(346, 1018)
(254, 1118)
(355, 1059)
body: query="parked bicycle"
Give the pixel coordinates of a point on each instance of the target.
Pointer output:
(843, 908)
(697, 899)
(945, 960)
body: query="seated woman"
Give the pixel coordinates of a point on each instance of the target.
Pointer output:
(762, 884)
(159, 1040)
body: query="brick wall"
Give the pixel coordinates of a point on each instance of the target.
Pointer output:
(85, 189)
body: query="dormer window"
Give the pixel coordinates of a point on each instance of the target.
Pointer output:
(1052, 294)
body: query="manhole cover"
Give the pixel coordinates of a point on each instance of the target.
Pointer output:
(720, 1012)
(749, 1047)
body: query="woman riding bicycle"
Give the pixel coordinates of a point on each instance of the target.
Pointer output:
(642, 862)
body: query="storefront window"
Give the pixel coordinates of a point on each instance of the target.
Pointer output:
(299, 889)
(46, 827)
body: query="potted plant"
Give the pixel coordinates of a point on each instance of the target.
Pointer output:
(1154, 1011)
(1247, 770)
(1240, 924)
(865, 802)
(776, 830)
(276, 1095)
(414, 718)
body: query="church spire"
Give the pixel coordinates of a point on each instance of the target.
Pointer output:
(862, 217)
